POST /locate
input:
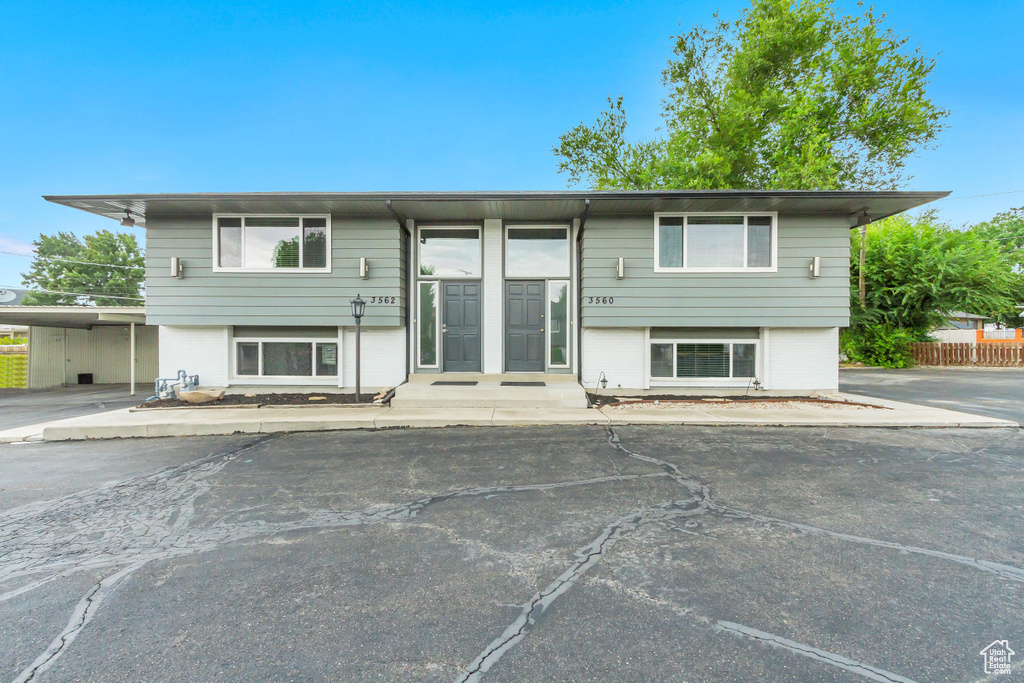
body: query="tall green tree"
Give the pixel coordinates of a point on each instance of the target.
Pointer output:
(1006, 231)
(99, 269)
(919, 269)
(790, 95)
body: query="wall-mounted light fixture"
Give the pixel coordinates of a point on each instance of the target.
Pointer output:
(620, 268)
(128, 221)
(177, 268)
(364, 268)
(816, 266)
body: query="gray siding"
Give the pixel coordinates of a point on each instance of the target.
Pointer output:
(787, 298)
(204, 297)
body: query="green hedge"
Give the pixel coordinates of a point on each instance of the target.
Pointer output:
(878, 345)
(13, 371)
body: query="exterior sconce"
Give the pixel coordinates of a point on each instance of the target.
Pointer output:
(128, 221)
(620, 268)
(177, 268)
(816, 266)
(364, 268)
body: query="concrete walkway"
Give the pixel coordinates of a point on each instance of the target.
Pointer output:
(126, 423)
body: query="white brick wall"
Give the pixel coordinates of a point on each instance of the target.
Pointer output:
(618, 353)
(803, 359)
(493, 298)
(199, 351)
(383, 357)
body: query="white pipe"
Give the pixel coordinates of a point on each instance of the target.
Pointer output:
(131, 369)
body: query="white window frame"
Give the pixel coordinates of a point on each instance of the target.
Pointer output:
(773, 268)
(480, 246)
(544, 276)
(283, 379)
(217, 268)
(437, 324)
(703, 381)
(568, 316)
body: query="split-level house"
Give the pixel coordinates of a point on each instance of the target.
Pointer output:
(665, 291)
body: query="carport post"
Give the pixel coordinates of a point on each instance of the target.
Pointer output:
(131, 368)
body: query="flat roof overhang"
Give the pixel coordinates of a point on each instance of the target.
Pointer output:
(79, 317)
(512, 206)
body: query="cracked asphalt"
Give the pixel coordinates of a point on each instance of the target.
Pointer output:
(514, 554)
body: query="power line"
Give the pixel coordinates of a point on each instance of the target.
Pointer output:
(975, 196)
(66, 260)
(99, 295)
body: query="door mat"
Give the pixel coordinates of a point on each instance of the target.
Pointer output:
(452, 384)
(523, 384)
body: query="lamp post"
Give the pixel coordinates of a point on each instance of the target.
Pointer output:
(358, 308)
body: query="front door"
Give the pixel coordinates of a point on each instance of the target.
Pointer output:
(524, 326)
(460, 326)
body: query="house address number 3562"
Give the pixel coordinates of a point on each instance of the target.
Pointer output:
(383, 299)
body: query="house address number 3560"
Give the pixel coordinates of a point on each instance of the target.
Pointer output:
(600, 299)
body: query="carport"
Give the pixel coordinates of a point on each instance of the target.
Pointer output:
(86, 344)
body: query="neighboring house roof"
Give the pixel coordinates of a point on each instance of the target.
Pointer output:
(453, 206)
(84, 317)
(11, 297)
(960, 315)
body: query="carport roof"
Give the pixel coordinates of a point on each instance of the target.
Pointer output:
(83, 317)
(524, 206)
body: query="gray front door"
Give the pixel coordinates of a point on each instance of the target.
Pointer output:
(460, 330)
(524, 326)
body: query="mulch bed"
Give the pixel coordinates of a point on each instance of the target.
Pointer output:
(262, 400)
(609, 400)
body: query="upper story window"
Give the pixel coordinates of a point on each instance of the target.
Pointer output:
(272, 243)
(715, 243)
(537, 252)
(450, 252)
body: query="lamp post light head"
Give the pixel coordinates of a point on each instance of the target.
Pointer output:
(358, 307)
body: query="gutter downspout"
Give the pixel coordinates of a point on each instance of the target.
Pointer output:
(579, 290)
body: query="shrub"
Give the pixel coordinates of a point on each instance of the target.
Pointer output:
(12, 341)
(879, 345)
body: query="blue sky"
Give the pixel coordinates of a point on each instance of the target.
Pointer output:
(147, 97)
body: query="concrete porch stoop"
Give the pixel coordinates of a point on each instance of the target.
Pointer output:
(475, 390)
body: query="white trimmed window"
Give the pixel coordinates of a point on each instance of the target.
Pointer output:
(703, 361)
(291, 358)
(723, 243)
(272, 244)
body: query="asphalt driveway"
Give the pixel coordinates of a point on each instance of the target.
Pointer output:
(23, 407)
(514, 554)
(993, 392)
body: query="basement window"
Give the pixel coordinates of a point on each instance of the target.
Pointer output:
(723, 243)
(272, 244)
(286, 358)
(703, 360)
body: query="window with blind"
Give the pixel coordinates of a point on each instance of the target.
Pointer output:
(703, 360)
(272, 243)
(705, 242)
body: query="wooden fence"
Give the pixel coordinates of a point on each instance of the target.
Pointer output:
(996, 355)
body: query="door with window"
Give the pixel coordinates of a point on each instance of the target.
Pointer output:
(460, 326)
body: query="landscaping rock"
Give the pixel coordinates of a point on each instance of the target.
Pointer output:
(201, 395)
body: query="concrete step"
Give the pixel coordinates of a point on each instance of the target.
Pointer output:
(562, 392)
